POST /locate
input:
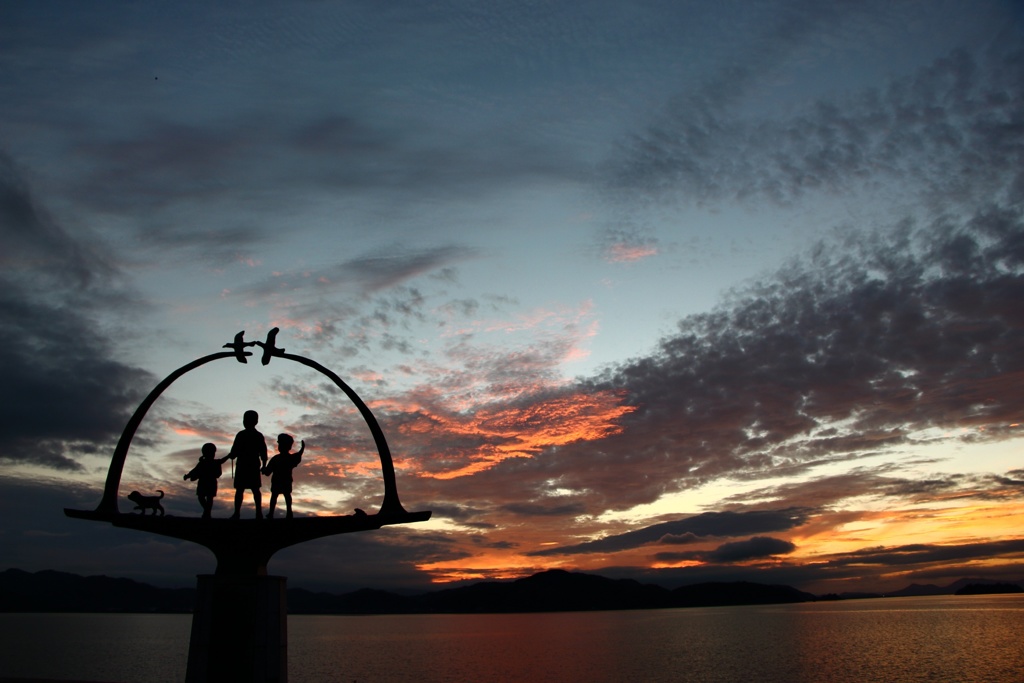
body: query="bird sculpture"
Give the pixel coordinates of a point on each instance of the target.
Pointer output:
(238, 346)
(270, 347)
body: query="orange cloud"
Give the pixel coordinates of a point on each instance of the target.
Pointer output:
(519, 432)
(626, 253)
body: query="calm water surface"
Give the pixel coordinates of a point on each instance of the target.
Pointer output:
(956, 638)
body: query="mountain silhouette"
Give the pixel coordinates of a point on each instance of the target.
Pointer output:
(554, 590)
(53, 591)
(916, 589)
(989, 589)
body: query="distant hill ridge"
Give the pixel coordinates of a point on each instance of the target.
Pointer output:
(916, 589)
(53, 591)
(549, 591)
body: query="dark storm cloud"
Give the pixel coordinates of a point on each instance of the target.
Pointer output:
(735, 551)
(953, 128)
(64, 390)
(706, 524)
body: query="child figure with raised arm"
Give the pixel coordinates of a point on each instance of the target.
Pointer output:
(280, 470)
(206, 472)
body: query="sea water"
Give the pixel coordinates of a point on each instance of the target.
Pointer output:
(948, 638)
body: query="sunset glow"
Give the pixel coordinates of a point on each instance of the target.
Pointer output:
(678, 292)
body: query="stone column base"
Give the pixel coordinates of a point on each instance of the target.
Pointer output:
(239, 630)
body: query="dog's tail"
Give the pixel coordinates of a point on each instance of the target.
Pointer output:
(160, 492)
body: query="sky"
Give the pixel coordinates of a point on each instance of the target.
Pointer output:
(668, 290)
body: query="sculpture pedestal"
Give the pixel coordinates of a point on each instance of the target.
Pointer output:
(239, 630)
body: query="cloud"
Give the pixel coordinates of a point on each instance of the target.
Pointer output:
(926, 553)
(284, 167)
(535, 510)
(483, 401)
(882, 568)
(680, 539)
(872, 343)
(853, 350)
(627, 245)
(867, 345)
(368, 302)
(706, 524)
(754, 548)
(931, 128)
(882, 482)
(857, 348)
(362, 275)
(65, 389)
(445, 441)
(34, 242)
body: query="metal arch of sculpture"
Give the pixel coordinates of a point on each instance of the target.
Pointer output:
(244, 547)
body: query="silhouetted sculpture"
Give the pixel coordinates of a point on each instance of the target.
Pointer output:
(238, 627)
(249, 451)
(143, 503)
(238, 346)
(280, 470)
(270, 348)
(206, 472)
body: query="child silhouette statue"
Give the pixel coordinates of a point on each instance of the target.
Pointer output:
(280, 470)
(250, 450)
(206, 472)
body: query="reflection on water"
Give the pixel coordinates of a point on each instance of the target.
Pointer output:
(955, 638)
(95, 647)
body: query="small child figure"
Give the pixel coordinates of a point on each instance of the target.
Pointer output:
(280, 468)
(206, 472)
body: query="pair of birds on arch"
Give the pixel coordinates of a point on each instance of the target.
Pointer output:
(269, 347)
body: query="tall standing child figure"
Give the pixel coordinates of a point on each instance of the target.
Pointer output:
(250, 453)
(280, 470)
